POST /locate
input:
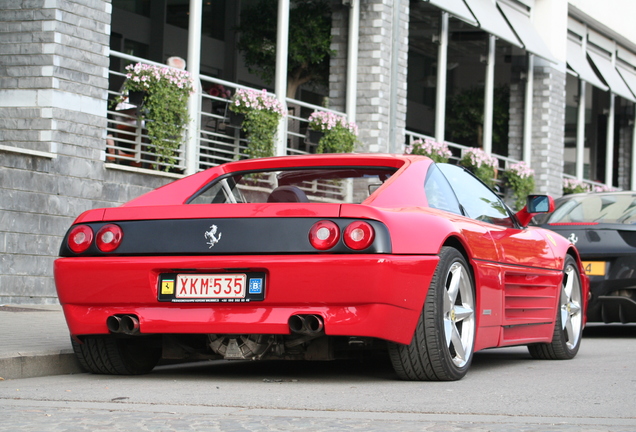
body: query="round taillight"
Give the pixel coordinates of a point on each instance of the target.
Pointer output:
(324, 235)
(80, 238)
(109, 238)
(359, 235)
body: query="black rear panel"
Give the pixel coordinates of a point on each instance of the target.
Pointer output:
(228, 236)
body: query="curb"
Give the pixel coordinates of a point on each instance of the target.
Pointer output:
(30, 365)
(35, 342)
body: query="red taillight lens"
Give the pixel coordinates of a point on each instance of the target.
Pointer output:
(324, 235)
(80, 238)
(109, 238)
(359, 235)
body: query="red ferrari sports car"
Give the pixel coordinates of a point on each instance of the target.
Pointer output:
(319, 257)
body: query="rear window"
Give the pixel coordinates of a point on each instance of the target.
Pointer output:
(304, 185)
(600, 208)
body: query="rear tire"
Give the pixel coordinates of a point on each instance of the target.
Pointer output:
(442, 346)
(117, 356)
(568, 326)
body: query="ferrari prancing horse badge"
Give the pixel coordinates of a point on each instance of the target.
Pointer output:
(212, 237)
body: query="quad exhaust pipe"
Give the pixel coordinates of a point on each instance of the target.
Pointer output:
(127, 324)
(310, 324)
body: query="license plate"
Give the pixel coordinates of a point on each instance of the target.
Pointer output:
(594, 268)
(210, 286)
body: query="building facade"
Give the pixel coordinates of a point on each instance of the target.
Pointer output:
(549, 82)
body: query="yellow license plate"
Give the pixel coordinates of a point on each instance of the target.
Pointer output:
(594, 268)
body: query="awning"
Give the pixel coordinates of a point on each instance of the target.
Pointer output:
(525, 30)
(456, 8)
(492, 21)
(578, 63)
(629, 77)
(611, 76)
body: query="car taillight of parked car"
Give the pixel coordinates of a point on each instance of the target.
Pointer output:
(325, 234)
(109, 238)
(80, 238)
(359, 235)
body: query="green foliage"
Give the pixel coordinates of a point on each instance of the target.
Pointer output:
(309, 41)
(520, 178)
(165, 107)
(260, 127)
(465, 117)
(573, 186)
(339, 134)
(337, 140)
(483, 165)
(439, 152)
(262, 114)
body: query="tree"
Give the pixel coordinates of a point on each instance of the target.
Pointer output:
(465, 118)
(309, 41)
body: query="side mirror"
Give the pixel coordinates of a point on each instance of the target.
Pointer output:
(540, 204)
(535, 204)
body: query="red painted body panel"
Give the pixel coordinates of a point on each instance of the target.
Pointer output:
(351, 303)
(517, 272)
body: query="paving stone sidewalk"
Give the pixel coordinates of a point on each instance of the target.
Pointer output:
(34, 341)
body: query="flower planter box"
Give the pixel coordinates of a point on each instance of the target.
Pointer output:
(313, 136)
(136, 98)
(235, 119)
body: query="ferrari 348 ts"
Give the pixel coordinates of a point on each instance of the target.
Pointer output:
(315, 258)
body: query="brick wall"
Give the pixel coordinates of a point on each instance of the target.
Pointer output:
(53, 81)
(516, 121)
(548, 128)
(375, 81)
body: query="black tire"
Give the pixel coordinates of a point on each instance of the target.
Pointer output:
(117, 356)
(568, 325)
(442, 346)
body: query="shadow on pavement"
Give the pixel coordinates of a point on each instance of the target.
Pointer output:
(613, 331)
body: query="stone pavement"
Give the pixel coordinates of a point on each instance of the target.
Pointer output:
(34, 341)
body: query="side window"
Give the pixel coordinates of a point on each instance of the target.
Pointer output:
(439, 193)
(478, 200)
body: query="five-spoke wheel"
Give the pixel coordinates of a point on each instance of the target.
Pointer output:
(569, 320)
(442, 347)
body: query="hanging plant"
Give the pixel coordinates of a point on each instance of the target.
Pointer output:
(339, 135)
(520, 178)
(165, 105)
(262, 113)
(572, 186)
(480, 163)
(439, 152)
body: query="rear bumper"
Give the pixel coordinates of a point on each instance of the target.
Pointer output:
(612, 301)
(361, 295)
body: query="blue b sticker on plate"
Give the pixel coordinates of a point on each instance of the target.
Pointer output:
(256, 285)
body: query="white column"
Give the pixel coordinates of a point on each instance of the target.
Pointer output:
(193, 64)
(352, 60)
(393, 95)
(489, 95)
(440, 92)
(580, 131)
(280, 78)
(609, 153)
(527, 120)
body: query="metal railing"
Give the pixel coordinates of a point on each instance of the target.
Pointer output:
(219, 140)
(458, 150)
(127, 143)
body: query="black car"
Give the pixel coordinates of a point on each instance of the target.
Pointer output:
(603, 228)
